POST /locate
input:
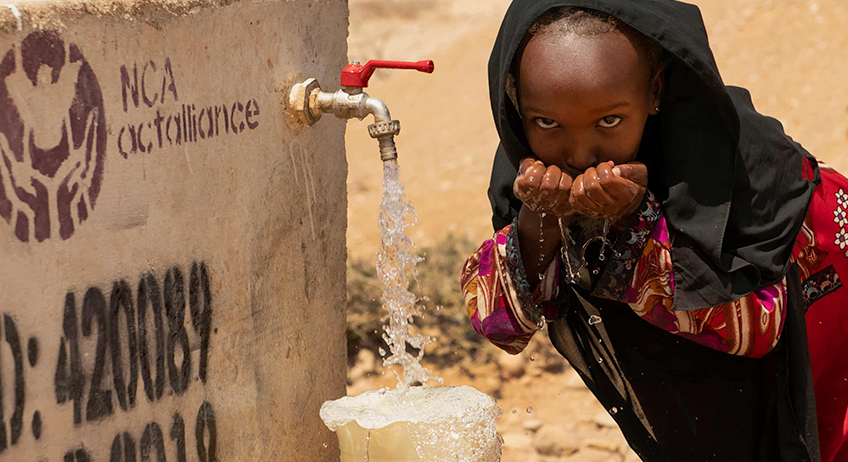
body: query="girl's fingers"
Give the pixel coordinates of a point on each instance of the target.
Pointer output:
(620, 189)
(607, 190)
(607, 179)
(534, 174)
(528, 182)
(525, 164)
(526, 185)
(595, 192)
(565, 182)
(560, 205)
(636, 172)
(579, 201)
(549, 185)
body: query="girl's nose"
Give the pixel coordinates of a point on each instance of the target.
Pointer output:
(580, 158)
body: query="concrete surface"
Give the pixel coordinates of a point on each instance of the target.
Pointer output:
(171, 251)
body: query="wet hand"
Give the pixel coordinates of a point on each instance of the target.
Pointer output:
(609, 190)
(543, 189)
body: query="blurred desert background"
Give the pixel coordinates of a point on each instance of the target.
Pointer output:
(791, 55)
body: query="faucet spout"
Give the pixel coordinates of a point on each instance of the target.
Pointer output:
(307, 103)
(378, 109)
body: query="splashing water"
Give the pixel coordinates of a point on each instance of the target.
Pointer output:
(426, 424)
(396, 268)
(410, 423)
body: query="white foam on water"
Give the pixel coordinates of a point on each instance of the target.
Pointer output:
(445, 424)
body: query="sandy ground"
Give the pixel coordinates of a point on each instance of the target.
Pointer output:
(788, 53)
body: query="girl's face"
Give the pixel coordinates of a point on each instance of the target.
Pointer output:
(585, 100)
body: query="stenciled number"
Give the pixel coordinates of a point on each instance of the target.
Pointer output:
(150, 296)
(175, 311)
(199, 293)
(127, 449)
(152, 439)
(206, 423)
(77, 455)
(69, 381)
(121, 301)
(94, 309)
(178, 435)
(156, 359)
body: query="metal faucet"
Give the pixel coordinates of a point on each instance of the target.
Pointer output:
(307, 102)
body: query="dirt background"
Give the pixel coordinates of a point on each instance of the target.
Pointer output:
(788, 53)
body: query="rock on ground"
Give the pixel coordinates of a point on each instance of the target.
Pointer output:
(532, 425)
(603, 419)
(554, 440)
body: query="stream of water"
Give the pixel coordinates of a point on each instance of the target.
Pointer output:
(396, 268)
(414, 422)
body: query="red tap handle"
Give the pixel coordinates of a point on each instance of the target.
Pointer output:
(356, 75)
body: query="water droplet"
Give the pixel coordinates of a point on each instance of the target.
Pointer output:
(529, 409)
(326, 445)
(532, 358)
(613, 411)
(365, 449)
(594, 319)
(515, 411)
(600, 360)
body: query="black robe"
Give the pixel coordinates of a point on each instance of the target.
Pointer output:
(730, 183)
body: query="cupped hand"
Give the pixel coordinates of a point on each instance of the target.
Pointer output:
(543, 189)
(609, 190)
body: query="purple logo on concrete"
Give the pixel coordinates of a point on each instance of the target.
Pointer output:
(52, 137)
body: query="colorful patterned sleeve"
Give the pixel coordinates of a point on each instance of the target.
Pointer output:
(504, 310)
(497, 293)
(750, 326)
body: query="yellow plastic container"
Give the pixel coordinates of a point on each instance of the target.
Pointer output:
(388, 444)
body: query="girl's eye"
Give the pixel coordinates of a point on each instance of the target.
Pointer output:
(610, 121)
(546, 123)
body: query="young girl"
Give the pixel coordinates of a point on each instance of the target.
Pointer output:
(685, 253)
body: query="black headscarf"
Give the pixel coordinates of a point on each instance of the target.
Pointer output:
(732, 189)
(730, 180)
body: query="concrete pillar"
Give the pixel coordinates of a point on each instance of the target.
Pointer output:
(172, 253)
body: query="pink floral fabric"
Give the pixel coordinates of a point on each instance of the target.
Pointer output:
(750, 326)
(492, 296)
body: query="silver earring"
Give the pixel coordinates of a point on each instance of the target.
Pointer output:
(657, 110)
